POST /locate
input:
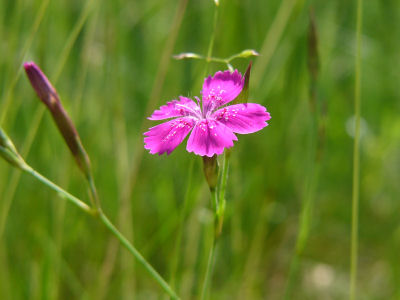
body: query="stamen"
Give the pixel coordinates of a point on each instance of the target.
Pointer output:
(195, 112)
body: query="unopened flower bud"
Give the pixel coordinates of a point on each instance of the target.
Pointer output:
(248, 53)
(48, 95)
(187, 55)
(210, 170)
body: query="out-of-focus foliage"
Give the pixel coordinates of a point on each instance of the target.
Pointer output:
(112, 64)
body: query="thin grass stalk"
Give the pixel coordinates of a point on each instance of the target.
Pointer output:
(182, 217)
(13, 183)
(155, 94)
(211, 256)
(7, 100)
(38, 114)
(129, 184)
(72, 38)
(356, 158)
(213, 190)
(124, 212)
(212, 39)
(61, 192)
(5, 275)
(99, 213)
(138, 257)
(113, 258)
(209, 270)
(71, 279)
(315, 142)
(61, 206)
(304, 230)
(192, 256)
(222, 190)
(272, 39)
(59, 267)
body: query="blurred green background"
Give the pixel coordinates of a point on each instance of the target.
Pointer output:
(112, 64)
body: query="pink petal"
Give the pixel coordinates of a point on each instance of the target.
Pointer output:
(243, 118)
(210, 137)
(176, 108)
(220, 89)
(167, 136)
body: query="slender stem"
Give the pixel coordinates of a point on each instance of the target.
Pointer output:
(93, 193)
(213, 190)
(211, 45)
(182, 216)
(356, 159)
(62, 193)
(305, 223)
(224, 173)
(138, 256)
(212, 39)
(218, 204)
(108, 224)
(272, 38)
(214, 199)
(209, 270)
(218, 60)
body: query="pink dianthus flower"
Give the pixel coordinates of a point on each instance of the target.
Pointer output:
(213, 125)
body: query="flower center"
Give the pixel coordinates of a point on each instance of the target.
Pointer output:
(190, 111)
(212, 101)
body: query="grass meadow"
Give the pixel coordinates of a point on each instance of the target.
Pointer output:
(288, 223)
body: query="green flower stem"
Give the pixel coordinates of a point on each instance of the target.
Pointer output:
(211, 44)
(305, 218)
(214, 199)
(209, 270)
(138, 256)
(210, 262)
(221, 193)
(356, 159)
(213, 190)
(209, 58)
(93, 193)
(182, 216)
(62, 193)
(218, 205)
(99, 213)
(224, 174)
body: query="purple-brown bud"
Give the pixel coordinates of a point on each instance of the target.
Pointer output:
(48, 95)
(45, 91)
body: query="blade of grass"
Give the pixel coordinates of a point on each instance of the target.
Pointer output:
(214, 193)
(7, 98)
(64, 194)
(182, 217)
(5, 278)
(255, 253)
(272, 39)
(314, 153)
(155, 94)
(356, 158)
(192, 253)
(38, 115)
(209, 270)
(127, 187)
(59, 265)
